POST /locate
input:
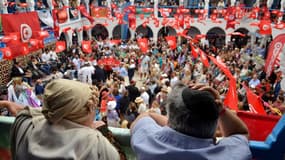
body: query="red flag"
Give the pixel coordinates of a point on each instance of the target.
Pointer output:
(231, 99)
(86, 46)
(265, 27)
(222, 67)
(24, 49)
(143, 44)
(230, 17)
(274, 51)
(7, 54)
(194, 51)
(254, 102)
(27, 24)
(171, 40)
(60, 46)
(55, 23)
(83, 11)
(132, 21)
(204, 58)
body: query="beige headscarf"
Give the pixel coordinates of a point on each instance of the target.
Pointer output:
(65, 99)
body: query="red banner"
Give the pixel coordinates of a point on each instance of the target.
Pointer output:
(27, 24)
(60, 46)
(86, 46)
(171, 41)
(143, 44)
(273, 53)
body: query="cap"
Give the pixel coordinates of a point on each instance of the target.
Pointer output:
(201, 104)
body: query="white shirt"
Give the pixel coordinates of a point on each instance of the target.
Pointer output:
(45, 57)
(173, 81)
(76, 62)
(53, 55)
(142, 108)
(85, 74)
(145, 97)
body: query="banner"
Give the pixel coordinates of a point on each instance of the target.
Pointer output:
(45, 17)
(27, 24)
(273, 53)
(51, 38)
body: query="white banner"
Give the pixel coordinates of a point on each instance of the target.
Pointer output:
(46, 17)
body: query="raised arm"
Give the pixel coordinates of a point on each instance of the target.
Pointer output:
(12, 107)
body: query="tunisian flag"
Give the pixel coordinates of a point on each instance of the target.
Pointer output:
(171, 41)
(265, 27)
(60, 46)
(27, 24)
(274, 51)
(230, 17)
(143, 44)
(86, 46)
(254, 102)
(7, 54)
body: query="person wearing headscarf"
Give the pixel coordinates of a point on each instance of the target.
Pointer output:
(63, 128)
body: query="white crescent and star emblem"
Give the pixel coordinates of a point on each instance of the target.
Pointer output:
(26, 32)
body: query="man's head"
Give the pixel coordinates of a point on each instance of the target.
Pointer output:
(192, 112)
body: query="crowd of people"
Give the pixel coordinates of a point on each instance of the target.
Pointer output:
(143, 85)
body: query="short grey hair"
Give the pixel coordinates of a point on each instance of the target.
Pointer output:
(181, 119)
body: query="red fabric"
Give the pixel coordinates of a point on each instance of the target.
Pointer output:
(194, 51)
(204, 58)
(274, 51)
(27, 24)
(103, 108)
(86, 46)
(265, 27)
(83, 11)
(230, 17)
(231, 99)
(115, 41)
(171, 40)
(254, 102)
(55, 23)
(143, 44)
(132, 21)
(60, 46)
(7, 54)
(222, 66)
